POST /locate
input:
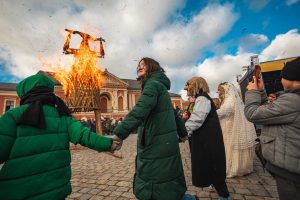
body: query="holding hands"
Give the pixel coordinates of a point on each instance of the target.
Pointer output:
(117, 143)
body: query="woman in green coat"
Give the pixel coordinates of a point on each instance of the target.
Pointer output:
(34, 143)
(159, 172)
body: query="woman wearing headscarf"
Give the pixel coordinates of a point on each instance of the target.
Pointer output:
(238, 133)
(206, 141)
(159, 173)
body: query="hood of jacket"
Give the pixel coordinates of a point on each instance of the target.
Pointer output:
(158, 76)
(33, 81)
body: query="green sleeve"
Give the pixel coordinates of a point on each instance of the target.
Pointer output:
(181, 129)
(7, 134)
(79, 134)
(140, 111)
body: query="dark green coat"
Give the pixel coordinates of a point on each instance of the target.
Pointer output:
(159, 172)
(37, 161)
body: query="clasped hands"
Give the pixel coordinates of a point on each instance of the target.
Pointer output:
(116, 144)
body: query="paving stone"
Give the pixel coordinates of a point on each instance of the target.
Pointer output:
(96, 197)
(94, 191)
(242, 191)
(127, 195)
(104, 193)
(237, 196)
(75, 195)
(111, 188)
(124, 184)
(115, 194)
(259, 192)
(85, 196)
(254, 198)
(85, 190)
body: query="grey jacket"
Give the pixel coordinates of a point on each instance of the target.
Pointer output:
(280, 138)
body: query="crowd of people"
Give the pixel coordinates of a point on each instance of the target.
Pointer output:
(35, 137)
(108, 124)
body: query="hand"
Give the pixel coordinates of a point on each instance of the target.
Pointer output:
(115, 144)
(183, 139)
(255, 84)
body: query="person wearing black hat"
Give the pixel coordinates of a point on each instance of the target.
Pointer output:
(280, 137)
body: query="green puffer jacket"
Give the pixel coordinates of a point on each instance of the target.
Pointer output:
(37, 161)
(159, 172)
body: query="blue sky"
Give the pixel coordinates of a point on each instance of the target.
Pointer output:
(213, 39)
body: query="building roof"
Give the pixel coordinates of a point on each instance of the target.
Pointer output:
(174, 95)
(8, 86)
(132, 84)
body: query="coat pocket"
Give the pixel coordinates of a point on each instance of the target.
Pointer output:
(268, 147)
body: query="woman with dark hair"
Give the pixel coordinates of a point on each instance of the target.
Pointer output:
(159, 172)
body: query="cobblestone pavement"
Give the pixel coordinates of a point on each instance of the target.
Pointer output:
(102, 176)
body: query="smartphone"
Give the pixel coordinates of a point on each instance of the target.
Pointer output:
(256, 72)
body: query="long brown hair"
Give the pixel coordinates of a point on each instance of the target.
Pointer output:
(151, 65)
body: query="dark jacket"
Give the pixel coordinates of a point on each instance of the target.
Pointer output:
(207, 151)
(159, 172)
(37, 161)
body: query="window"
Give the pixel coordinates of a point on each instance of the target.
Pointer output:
(9, 104)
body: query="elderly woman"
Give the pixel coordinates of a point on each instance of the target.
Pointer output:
(159, 172)
(238, 133)
(206, 141)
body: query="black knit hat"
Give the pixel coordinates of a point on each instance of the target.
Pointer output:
(291, 70)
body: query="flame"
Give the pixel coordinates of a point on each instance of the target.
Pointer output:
(84, 74)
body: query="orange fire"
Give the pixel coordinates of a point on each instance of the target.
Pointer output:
(84, 75)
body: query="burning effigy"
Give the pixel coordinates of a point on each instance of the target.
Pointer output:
(82, 83)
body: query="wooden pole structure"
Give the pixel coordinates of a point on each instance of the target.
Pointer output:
(98, 121)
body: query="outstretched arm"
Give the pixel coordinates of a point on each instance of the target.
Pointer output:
(78, 134)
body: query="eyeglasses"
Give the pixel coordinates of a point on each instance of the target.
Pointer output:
(141, 66)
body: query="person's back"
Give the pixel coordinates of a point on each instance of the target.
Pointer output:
(280, 137)
(37, 156)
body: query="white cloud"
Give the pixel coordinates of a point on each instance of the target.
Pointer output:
(222, 69)
(181, 43)
(252, 40)
(283, 46)
(291, 2)
(257, 5)
(32, 32)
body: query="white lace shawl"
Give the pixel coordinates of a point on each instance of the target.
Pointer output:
(238, 132)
